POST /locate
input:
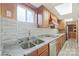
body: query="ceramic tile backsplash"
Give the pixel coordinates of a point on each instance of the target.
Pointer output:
(0, 36)
(12, 29)
(40, 31)
(9, 29)
(0, 42)
(0, 24)
(23, 29)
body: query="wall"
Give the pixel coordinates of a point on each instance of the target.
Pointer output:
(15, 30)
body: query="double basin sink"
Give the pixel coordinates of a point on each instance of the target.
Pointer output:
(30, 44)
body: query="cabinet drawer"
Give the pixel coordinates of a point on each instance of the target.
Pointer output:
(42, 49)
(45, 53)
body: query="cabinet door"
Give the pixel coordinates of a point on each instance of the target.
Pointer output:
(40, 20)
(45, 53)
(54, 20)
(46, 16)
(42, 49)
(59, 43)
(34, 53)
(58, 46)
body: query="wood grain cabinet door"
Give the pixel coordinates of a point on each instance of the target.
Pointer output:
(45, 53)
(34, 53)
(46, 16)
(59, 43)
(42, 49)
(58, 46)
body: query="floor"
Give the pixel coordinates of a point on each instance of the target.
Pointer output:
(70, 48)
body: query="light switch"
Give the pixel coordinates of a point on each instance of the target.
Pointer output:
(8, 13)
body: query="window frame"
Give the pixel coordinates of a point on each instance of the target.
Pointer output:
(17, 13)
(26, 8)
(33, 14)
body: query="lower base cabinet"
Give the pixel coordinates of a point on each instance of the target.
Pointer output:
(59, 43)
(34, 53)
(43, 51)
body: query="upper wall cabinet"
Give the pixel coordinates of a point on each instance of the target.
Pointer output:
(43, 17)
(8, 10)
(62, 25)
(0, 9)
(54, 20)
(46, 18)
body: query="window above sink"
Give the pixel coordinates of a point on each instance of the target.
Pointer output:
(25, 14)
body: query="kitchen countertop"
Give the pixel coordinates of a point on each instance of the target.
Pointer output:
(16, 50)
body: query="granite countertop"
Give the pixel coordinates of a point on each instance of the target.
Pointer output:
(16, 50)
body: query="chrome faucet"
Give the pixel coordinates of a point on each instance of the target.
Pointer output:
(29, 34)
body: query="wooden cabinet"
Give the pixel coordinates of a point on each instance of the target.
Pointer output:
(54, 20)
(0, 10)
(58, 46)
(43, 17)
(61, 25)
(8, 10)
(59, 43)
(43, 51)
(34, 53)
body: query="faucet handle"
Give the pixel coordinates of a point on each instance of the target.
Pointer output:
(20, 41)
(27, 38)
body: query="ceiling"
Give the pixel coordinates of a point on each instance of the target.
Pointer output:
(51, 7)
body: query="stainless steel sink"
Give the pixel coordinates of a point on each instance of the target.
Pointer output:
(27, 45)
(30, 43)
(38, 41)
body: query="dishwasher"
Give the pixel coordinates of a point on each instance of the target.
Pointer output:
(53, 48)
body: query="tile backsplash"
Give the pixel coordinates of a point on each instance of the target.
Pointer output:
(12, 29)
(40, 31)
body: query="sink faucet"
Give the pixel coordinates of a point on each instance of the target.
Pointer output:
(29, 34)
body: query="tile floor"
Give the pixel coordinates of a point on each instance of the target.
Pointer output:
(70, 48)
